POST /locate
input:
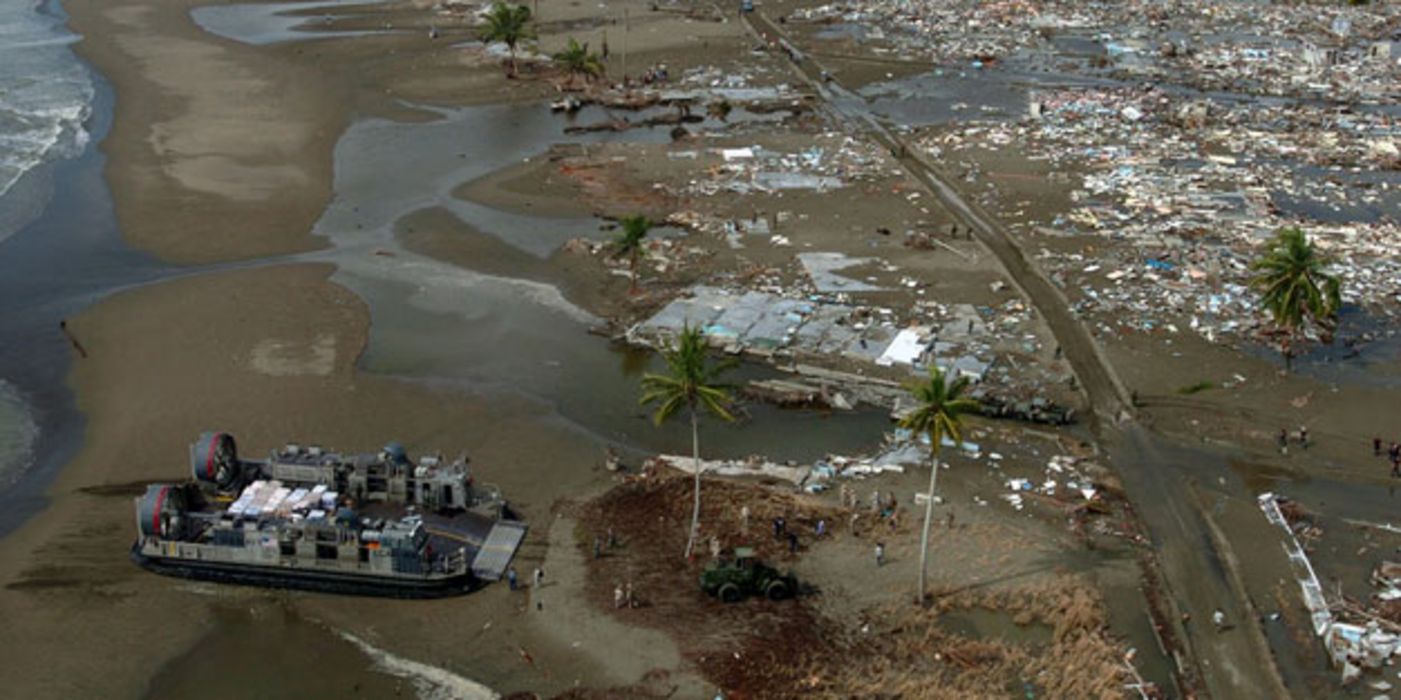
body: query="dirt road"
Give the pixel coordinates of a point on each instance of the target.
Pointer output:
(1199, 577)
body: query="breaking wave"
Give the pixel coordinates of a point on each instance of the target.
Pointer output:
(17, 433)
(46, 93)
(430, 682)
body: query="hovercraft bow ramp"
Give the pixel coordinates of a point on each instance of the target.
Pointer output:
(498, 550)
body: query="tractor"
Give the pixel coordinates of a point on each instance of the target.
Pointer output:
(731, 580)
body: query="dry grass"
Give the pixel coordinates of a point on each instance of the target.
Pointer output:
(763, 649)
(907, 653)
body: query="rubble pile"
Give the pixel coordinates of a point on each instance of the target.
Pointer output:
(1334, 51)
(833, 161)
(1358, 639)
(660, 254)
(1184, 193)
(879, 343)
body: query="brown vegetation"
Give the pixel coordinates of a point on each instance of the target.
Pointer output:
(764, 649)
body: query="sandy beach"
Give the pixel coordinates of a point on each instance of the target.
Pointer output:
(375, 235)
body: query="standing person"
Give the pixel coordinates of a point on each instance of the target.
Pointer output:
(612, 538)
(792, 543)
(875, 501)
(511, 577)
(780, 526)
(617, 596)
(627, 596)
(539, 577)
(744, 520)
(821, 528)
(1304, 436)
(854, 518)
(1283, 441)
(715, 548)
(880, 554)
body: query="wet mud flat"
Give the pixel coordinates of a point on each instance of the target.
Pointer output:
(427, 347)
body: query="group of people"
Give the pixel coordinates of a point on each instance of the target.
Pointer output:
(538, 577)
(1393, 453)
(781, 532)
(881, 507)
(1284, 439)
(656, 74)
(622, 596)
(600, 543)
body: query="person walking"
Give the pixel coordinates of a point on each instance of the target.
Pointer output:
(880, 554)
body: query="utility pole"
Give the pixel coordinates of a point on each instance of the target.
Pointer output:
(625, 49)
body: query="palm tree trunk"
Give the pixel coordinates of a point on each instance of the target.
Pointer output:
(632, 278)
(695, 509)
(928, 515)
(512, 48)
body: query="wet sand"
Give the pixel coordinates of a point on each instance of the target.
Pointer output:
(205, 173)
(161, 369)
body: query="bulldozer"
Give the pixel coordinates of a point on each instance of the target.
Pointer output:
(731, 580)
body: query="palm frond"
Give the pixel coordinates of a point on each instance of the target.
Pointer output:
(690, 380)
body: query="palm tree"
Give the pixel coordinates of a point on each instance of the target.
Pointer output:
(628, 243)
(1294, 288)
(720, 109)
(939, 412)
(577, 59)
(508, 24)
(689, 383)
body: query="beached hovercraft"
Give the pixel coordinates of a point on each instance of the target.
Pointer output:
(369, 524)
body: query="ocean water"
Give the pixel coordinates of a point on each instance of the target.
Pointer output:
(17, 433)
(46, 95)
